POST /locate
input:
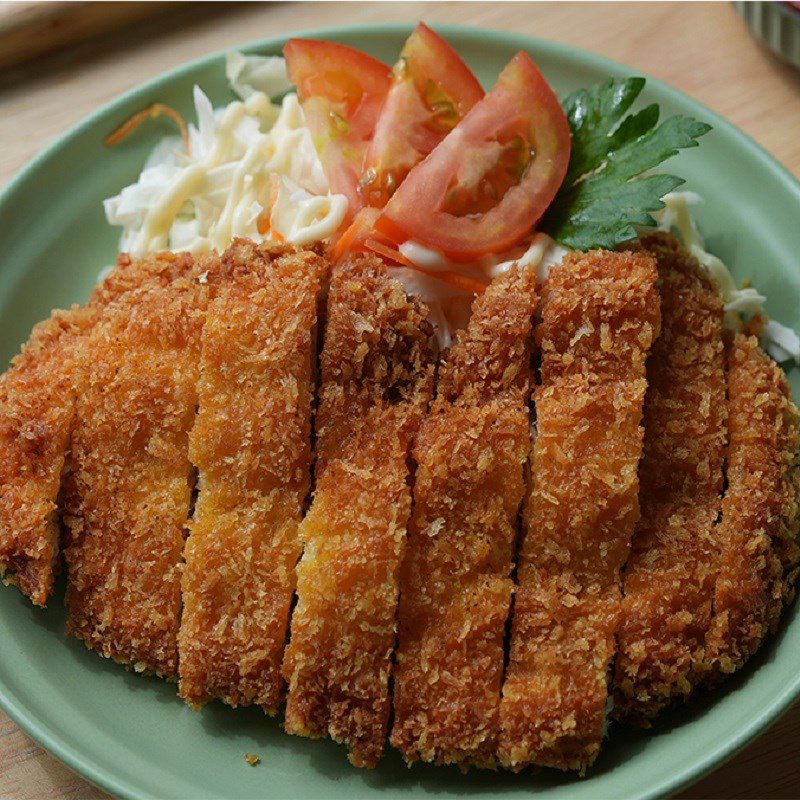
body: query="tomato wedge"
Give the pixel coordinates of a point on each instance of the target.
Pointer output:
(432, 89)
(342, 91)
(490, 180)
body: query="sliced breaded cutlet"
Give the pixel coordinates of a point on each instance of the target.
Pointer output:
(669, 578)
(128, 483)
(376, 381)
(758, 532)
(37, 409)
(37, 406)
(251, 444)
(599, 318)
(456, 586)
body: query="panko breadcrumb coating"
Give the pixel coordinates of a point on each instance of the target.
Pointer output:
(128, 484)
(376, 381)
(600, 316)
(758, 531)
(251, 444)
(669, 578)
(37, 408)
(455, 585)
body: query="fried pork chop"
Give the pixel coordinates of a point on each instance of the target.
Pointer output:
(758, 533)
(376, 381)
(599, 318)
(251, 444)
(669, 578)
(456, 586)
(37, 411)
(99, 419)
(129, 479)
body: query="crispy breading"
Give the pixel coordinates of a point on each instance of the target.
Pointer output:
(251, 444)
(376, 381)
(669, 578)
(158, 270)
(600, 316)
(758, 532)
(455, 584)
(37, 408)
(490, 359)
(128, 484)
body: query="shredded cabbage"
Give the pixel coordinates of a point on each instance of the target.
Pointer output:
(252, 171)
(249, 74)
(781, 342)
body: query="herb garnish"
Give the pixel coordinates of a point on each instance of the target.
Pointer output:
(599, 201)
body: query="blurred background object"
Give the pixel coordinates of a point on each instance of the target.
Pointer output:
(777, 24)
(29, 29)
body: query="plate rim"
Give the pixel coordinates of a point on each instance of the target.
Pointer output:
(101, 776)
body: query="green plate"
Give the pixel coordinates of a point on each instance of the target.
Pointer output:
(132, 735)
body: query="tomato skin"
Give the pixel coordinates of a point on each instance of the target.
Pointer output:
(342, 91)
(520, 106)
(432, 90)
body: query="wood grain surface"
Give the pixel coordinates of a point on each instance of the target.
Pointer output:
(31, 29)
(700, 48)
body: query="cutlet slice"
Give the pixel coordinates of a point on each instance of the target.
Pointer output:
(455, 585)
(599, 318)
(376, 382)
(37, 406)
(758, 531)
(37, 409)
(251, 444)
(128, 485)
(669, 578)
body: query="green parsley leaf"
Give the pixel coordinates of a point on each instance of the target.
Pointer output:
(605, 194)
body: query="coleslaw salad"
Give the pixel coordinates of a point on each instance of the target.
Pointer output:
(251, 170)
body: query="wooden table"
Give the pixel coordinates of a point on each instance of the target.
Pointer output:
(703, 49)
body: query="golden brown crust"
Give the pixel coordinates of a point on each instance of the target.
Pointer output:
(37, 408)
(251, 444)
(455, 586)
(490, 358)
(758, 531)
(377, 354)
(128, 483)
(600, 315)
(37, 405)
(157, 270)
(377, 375)
(669, 578)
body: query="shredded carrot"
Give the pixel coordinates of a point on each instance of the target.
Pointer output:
(274, 188)
(448, 276)
(151, 112)
(264, 218)
(362, 223)
(461, 281)
(389, 252)
(360, 235)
